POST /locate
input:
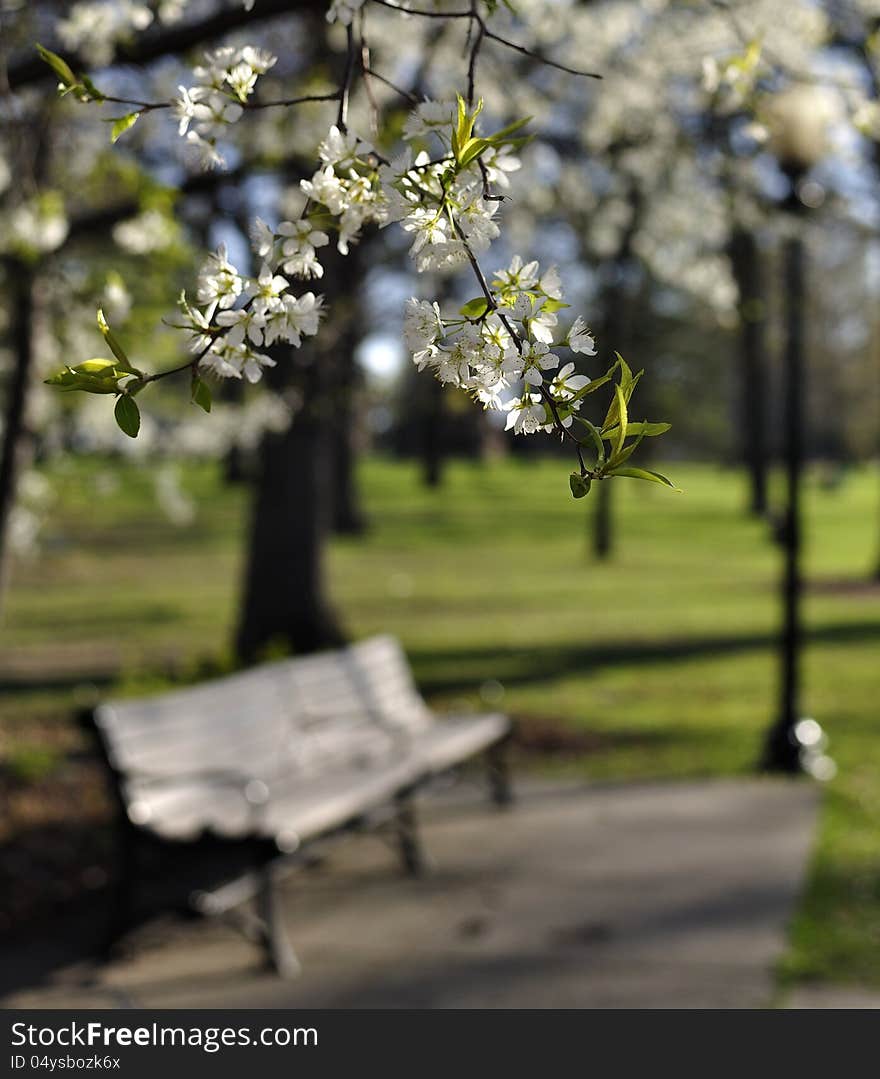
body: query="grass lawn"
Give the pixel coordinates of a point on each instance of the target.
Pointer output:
(657, 664)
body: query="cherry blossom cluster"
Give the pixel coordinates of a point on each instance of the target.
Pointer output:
(348, 185)
(237, 316)
(505, 347)
(490, 354)
(226, 80)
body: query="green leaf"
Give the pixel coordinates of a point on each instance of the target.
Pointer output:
(59, 66)
(128, 415)
(499, 136)
(594, 385)
(642, 429)
(626, 375)
(644, 474)
(624, 454)
(201, 394)
(115, 347)
(90, 91)
(475, 308)
(122, 123)
(580, 485)
(622, 419)
(91, 376)
(554, 305)
(472, 150)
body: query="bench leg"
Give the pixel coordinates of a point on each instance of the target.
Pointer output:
(279, 951)
(498, 770)
(408, 836)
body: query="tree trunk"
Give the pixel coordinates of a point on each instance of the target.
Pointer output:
(296, 502)
(745, 259)
(348, 515)
(16, 448)
(285, 602)
(432, 440)
(602, 521)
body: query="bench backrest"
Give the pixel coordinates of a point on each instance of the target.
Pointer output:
(302, 716)
(383, 676)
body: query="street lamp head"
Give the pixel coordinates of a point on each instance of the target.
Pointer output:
(798, 122)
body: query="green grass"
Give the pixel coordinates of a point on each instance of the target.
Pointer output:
(657, 664)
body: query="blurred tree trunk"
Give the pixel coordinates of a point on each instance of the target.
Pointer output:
(285, 602)
(745, 258)
(348, 515)
(296, 501)
(432, 435)
(616, 333)
(16, 447)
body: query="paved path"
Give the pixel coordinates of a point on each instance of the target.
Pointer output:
(660, 895)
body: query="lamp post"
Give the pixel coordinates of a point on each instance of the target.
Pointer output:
(798, 124)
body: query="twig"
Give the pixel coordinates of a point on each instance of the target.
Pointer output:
(365, 67)
(412, 98)
(475, 16)
(345, 89)
(149, 106)
(475, 50)
(537, 56)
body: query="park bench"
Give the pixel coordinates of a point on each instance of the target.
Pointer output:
(263, 764)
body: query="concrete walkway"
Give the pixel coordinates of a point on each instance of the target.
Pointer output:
(660, 895)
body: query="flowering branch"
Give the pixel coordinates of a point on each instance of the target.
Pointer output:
(501, 348)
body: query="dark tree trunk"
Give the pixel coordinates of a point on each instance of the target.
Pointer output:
(16, 445)
(602, 521)
(285, 602)
(348, 515)
(745, 258)
(432, 438)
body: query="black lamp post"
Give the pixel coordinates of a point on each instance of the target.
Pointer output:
(798, 126)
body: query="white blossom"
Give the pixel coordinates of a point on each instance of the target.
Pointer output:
(422, 327)
(219, 283)
(580, 339)
(526, 415)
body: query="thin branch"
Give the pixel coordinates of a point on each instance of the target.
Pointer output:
(423, 13)
(408, 95)
(345, 89)
(475, 16)
(178, 39)
(475, 50)
(563, 430)
(538, 56)
(365, 67)
(149, 106)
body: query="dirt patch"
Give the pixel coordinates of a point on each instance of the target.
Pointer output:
(851, 588)
(558, 738)
(55, 843)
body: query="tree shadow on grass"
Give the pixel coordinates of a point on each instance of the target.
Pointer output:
(540, 663)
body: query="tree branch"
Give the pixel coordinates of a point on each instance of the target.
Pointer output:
(181, 38)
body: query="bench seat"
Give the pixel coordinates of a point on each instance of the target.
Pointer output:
(454, 739)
